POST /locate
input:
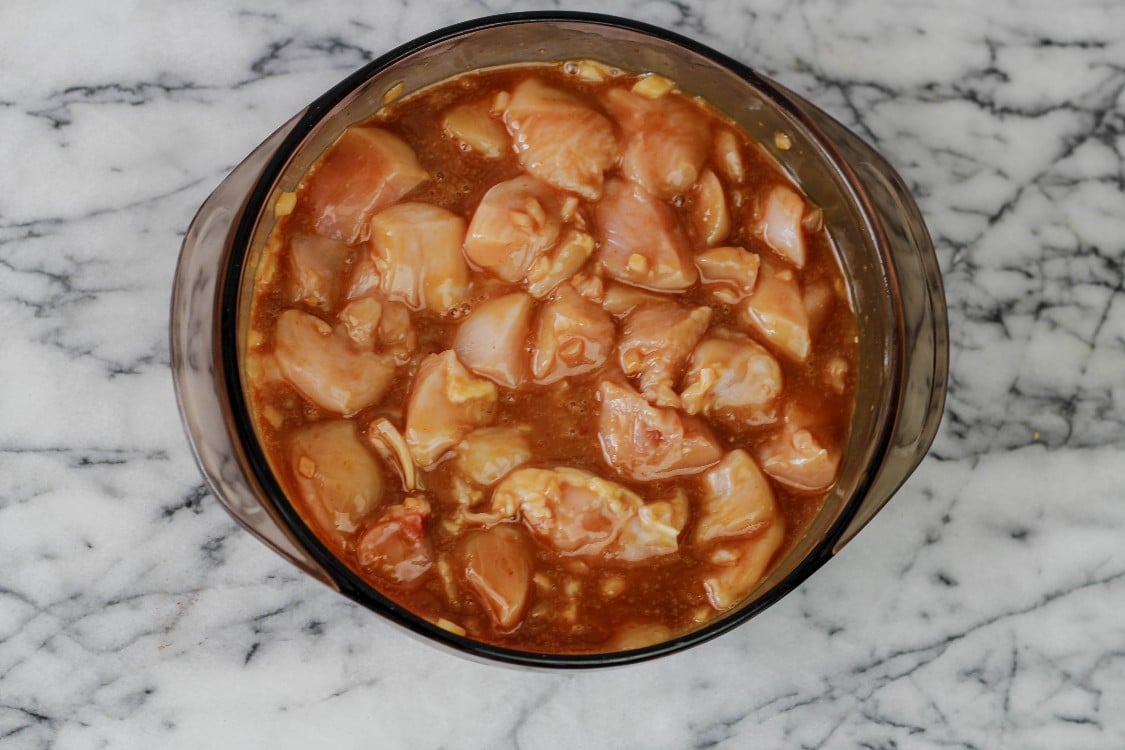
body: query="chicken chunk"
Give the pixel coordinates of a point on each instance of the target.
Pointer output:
(560, 264)
(796, 457)
(366, 170)
(492, 341)
(781, 224)
(666, 141)
(732, 378)
(645, 442)
(326, 366)
(487, 455)
(560, 140)
(776, 310)
(497, 566)
(579, 513)
(316, 265)
(727, 155)
(396, 547)
(736, 500)
(641, 241)
(572, 336)
(514, 224)
(446, 403)
(417, 253)
(656, 341)
(381, 324)
(740, 566)
(728, 273)
(709, 213)
(339, 481)
(474, 127)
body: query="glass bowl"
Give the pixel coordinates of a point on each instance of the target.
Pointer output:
(882, 241)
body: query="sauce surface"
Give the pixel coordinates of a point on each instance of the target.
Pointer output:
(553, 356)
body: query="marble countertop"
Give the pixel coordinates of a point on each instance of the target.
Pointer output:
(983, 608)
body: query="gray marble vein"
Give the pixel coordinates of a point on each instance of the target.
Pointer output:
(981, 609)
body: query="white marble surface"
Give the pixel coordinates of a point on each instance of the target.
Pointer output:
(984, 608)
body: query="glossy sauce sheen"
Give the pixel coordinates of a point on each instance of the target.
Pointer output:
(567, 601)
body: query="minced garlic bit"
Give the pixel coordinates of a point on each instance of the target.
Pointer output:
(394, 92)
(782, 141)
(591, 70)
(452, 627)
(285, 204)
(653, 86)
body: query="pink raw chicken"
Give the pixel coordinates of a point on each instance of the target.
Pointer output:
(560, 140)
(572, 336)
(366, 170)
(316, 265)
(327, 367)
(492, 341)
(728, 273)
(416, 248)
(339, 480)
(781, 224)
(741, 565)
(709, 212)
(644, 442)
(776, 310)
(579, 513)
(796, 458)
(736, 500)
(666, 141)
(497, 566)
(656, 340)
(396, 546)
(733, 378)
(446, 403)
(642, 242)
(515, 223)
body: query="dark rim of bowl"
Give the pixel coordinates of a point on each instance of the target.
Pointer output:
(354, 587)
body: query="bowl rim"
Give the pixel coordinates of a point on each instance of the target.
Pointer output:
(349, 583)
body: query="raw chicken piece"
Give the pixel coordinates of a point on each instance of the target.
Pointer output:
(653, 531)
(656, 340)
(560, 140)
(796, 458)
(573, 336)
(727, 155)
(497, 566)
(326, 366)
(339, 481)
(736, 500)
(384, 437)
(621, 299)
(492, 341)
(487, 455)
(728, 273)
(366, 170)
(641, 240)
(396, 547)
(579, 513)
(781, 224)
(730, 377)
(514, 224)
(446, 403)
(709, 213)
(475, 128)
(741, 566)
(666, 141)
(373, 323)
(644, 442)
(565, 260)
(776, 310)
(417, 253)
(315, 267)
(638, 635)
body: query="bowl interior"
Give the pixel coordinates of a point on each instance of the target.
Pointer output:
(749, 100)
